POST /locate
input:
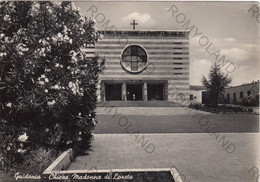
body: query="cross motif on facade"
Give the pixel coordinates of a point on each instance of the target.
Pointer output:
(133, 24)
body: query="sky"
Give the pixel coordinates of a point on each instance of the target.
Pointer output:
(227, 28)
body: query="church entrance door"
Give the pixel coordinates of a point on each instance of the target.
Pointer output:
(134, 92)
(155, 91)
(113, 92)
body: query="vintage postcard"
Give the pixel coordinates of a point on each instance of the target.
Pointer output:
(129, 91)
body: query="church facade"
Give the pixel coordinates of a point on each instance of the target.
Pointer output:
(143, 65)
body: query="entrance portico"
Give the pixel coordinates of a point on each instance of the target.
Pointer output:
(134, 90)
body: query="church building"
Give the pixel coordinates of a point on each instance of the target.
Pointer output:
(143, 65)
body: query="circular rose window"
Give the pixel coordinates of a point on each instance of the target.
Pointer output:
(134, 58)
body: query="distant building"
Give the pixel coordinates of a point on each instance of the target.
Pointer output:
(198, 94)
(232, 95)
(236, 94)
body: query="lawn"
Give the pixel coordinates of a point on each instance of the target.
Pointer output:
(223, 123)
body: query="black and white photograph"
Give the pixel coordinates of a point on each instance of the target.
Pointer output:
(129, 91)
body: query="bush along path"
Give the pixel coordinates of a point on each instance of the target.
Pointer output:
(47, 84)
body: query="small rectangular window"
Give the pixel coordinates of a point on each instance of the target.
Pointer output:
(178, 63)
(248, 92)
(177, 73)
(241, 94)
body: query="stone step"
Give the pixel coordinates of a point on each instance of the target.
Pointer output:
(138, 104)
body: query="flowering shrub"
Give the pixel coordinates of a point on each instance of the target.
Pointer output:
(47, 83)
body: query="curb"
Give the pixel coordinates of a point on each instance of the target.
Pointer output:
(58, 170)
(61, 163)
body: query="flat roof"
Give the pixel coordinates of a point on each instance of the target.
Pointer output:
(245, 84)
(197, 87)
(130, 30)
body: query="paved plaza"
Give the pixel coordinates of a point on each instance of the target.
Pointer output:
(199, 157)
(171, 120)
(171, 137)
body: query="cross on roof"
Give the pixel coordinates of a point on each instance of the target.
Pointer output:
(133, 24)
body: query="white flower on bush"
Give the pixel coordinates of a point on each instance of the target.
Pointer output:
(73, 53)
(41, 82)
(47, 130)
(50, 10)
(23, 137)
(56, 126)
(21, 151)
(57, 4)
(41, 52)
(43, 42)
(68, 142)
(65, 29)
(2, 35)
(35, 9)
(7, 18)
(57, 87)
(82, 20)
(59, 37)
(9, 40)
(66, 38)
(46, 91)
(11, 7)
(75, 88)
(82, 72)
(47, 70)
(70, 84)
(9, 104)
(74, 59)
(54, 39)
(43, 79)
(8, 148)
(21, 48)
(94, 122)
(36, 5)
(51, 103)
(57, 65)
(82, 31)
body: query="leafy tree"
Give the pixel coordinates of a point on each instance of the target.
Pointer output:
(47, 83)
(216, 84)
